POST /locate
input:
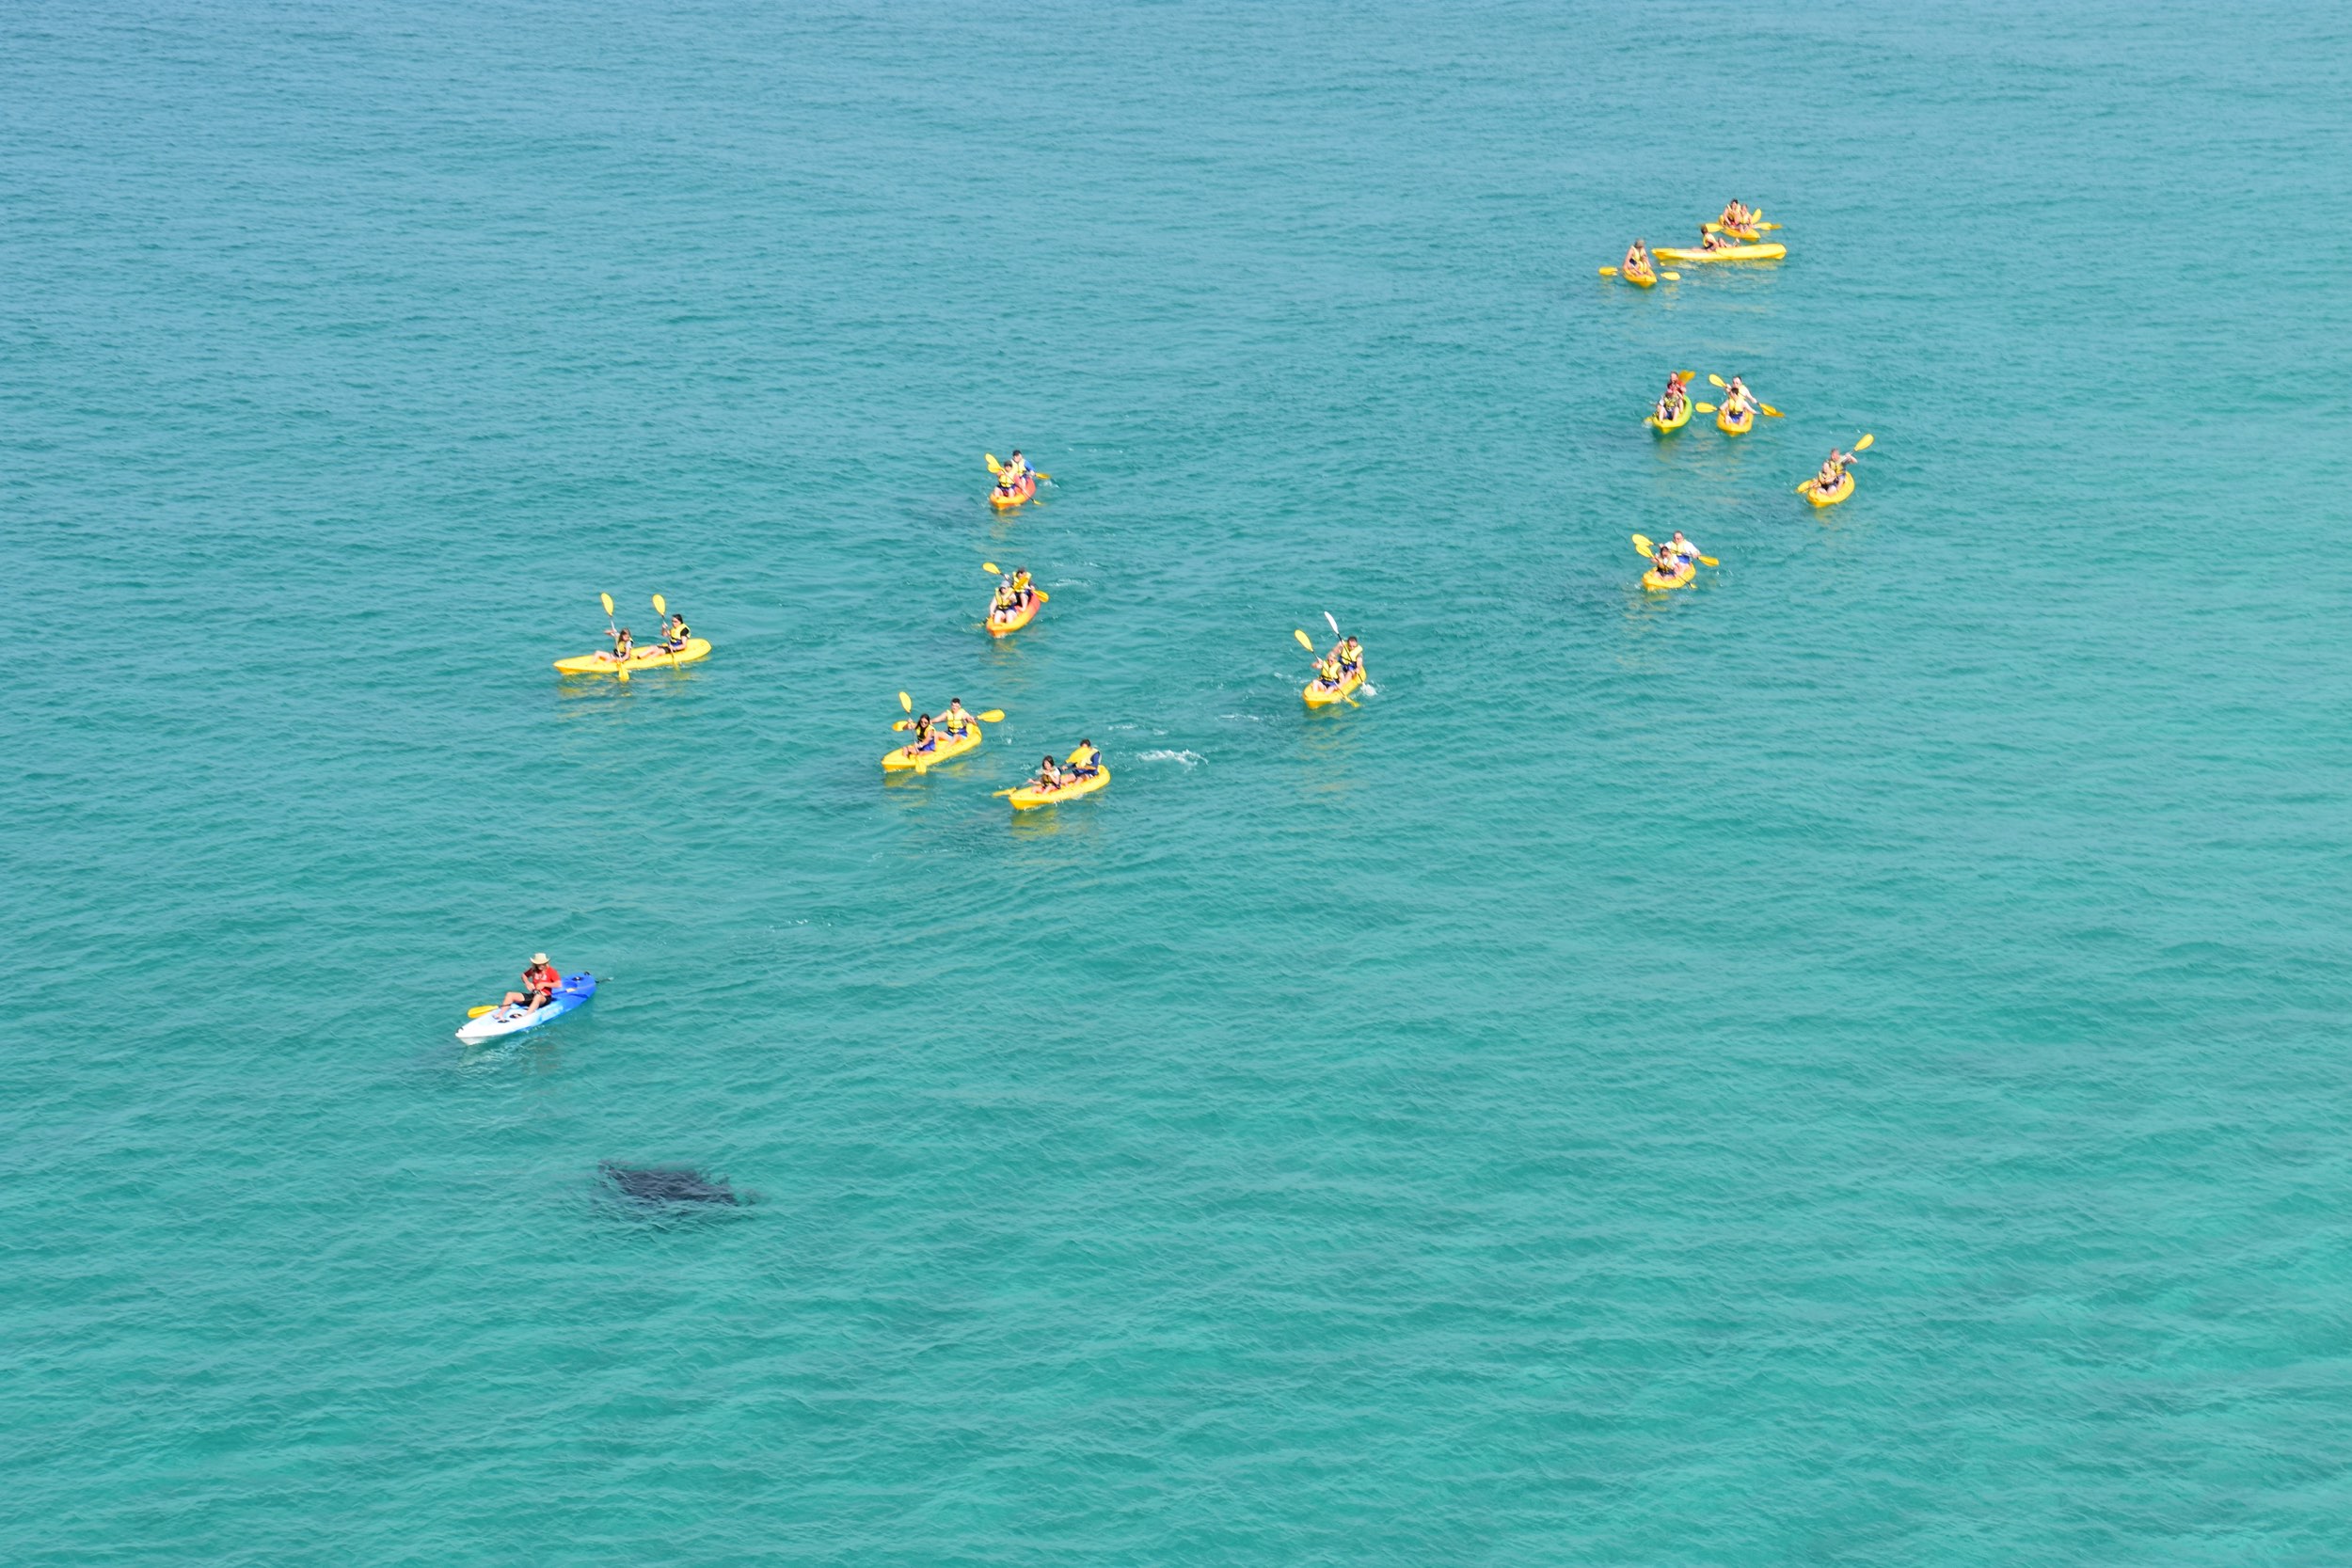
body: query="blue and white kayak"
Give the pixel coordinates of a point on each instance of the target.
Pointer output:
(515, 1018)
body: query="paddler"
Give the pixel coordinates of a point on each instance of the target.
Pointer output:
(956, 722)
(675, 632)
(1015, 469)
(1710, 239)
(1049, 776)
(1677, 396)
(1021, 590)
(1738, 216)
(1738, 398)
(1833, 471)
(1637, 258)
(1681, 548)
(1086, 761)
(924, 739)
(1007, 601)
(539, 982)
(621, 644)
(1351, 656)
(1328, 672)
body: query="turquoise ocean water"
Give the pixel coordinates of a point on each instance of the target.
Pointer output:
(1844, 1065)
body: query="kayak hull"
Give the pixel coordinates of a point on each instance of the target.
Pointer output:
(1729, 426)
(1020, 492)
(642, 659)
(1320, 695)
(1680, 579)
(1640, 279)
(1844, 487)
(576, 990)
(1025, 798)
(1729, 253)
(907, 757)
(1667, 427)
(1021, 617)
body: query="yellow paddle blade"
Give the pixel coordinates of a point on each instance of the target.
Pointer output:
(1671, 276)
(1708, 560)
(660, 606)
(1685, 375)
(1304, 641)
(993, 463)
(624, 677)
(1609, 272)
(607, 602)
(1802, 488)
(1702, 409)
(1641, 543)
(485, 1008)
(903, 723)
(1863, 445)
(992, 568)
(904, 705)
(994, 716)
(1767, 226)
(1716, 381)
(1043, 478)
(1769, 411)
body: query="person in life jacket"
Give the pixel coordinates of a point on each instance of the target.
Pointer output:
(675, 632)
(539, 983)
(1049, 776)
(1637, 258)
(956, 722)
(1677, 398)
(924, 739)
(1833, 471)
(1086, 761)
(621, 644)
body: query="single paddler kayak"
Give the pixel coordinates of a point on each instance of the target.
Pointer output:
(944, 746)
(639, 658)
(1019, 493)
(1025, 798)
(1730, 425)
(1667, 427)
(1728, 253)
(1830, 496)
(1640, 279)
(1020, 617)
(515, 1018)
(1320, 695)
(1680, 579)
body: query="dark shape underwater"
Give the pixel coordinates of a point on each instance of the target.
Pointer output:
(653, 1184)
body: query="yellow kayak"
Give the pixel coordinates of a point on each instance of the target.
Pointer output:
(1730, 425)
(1320, 695)
(1771, 252)
(949, 746)
(1025, 798)
(1680, 579)
(639, 658)
(1019, 618)
(1830, 496)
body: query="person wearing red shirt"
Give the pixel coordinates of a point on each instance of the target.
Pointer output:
(539, 983)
